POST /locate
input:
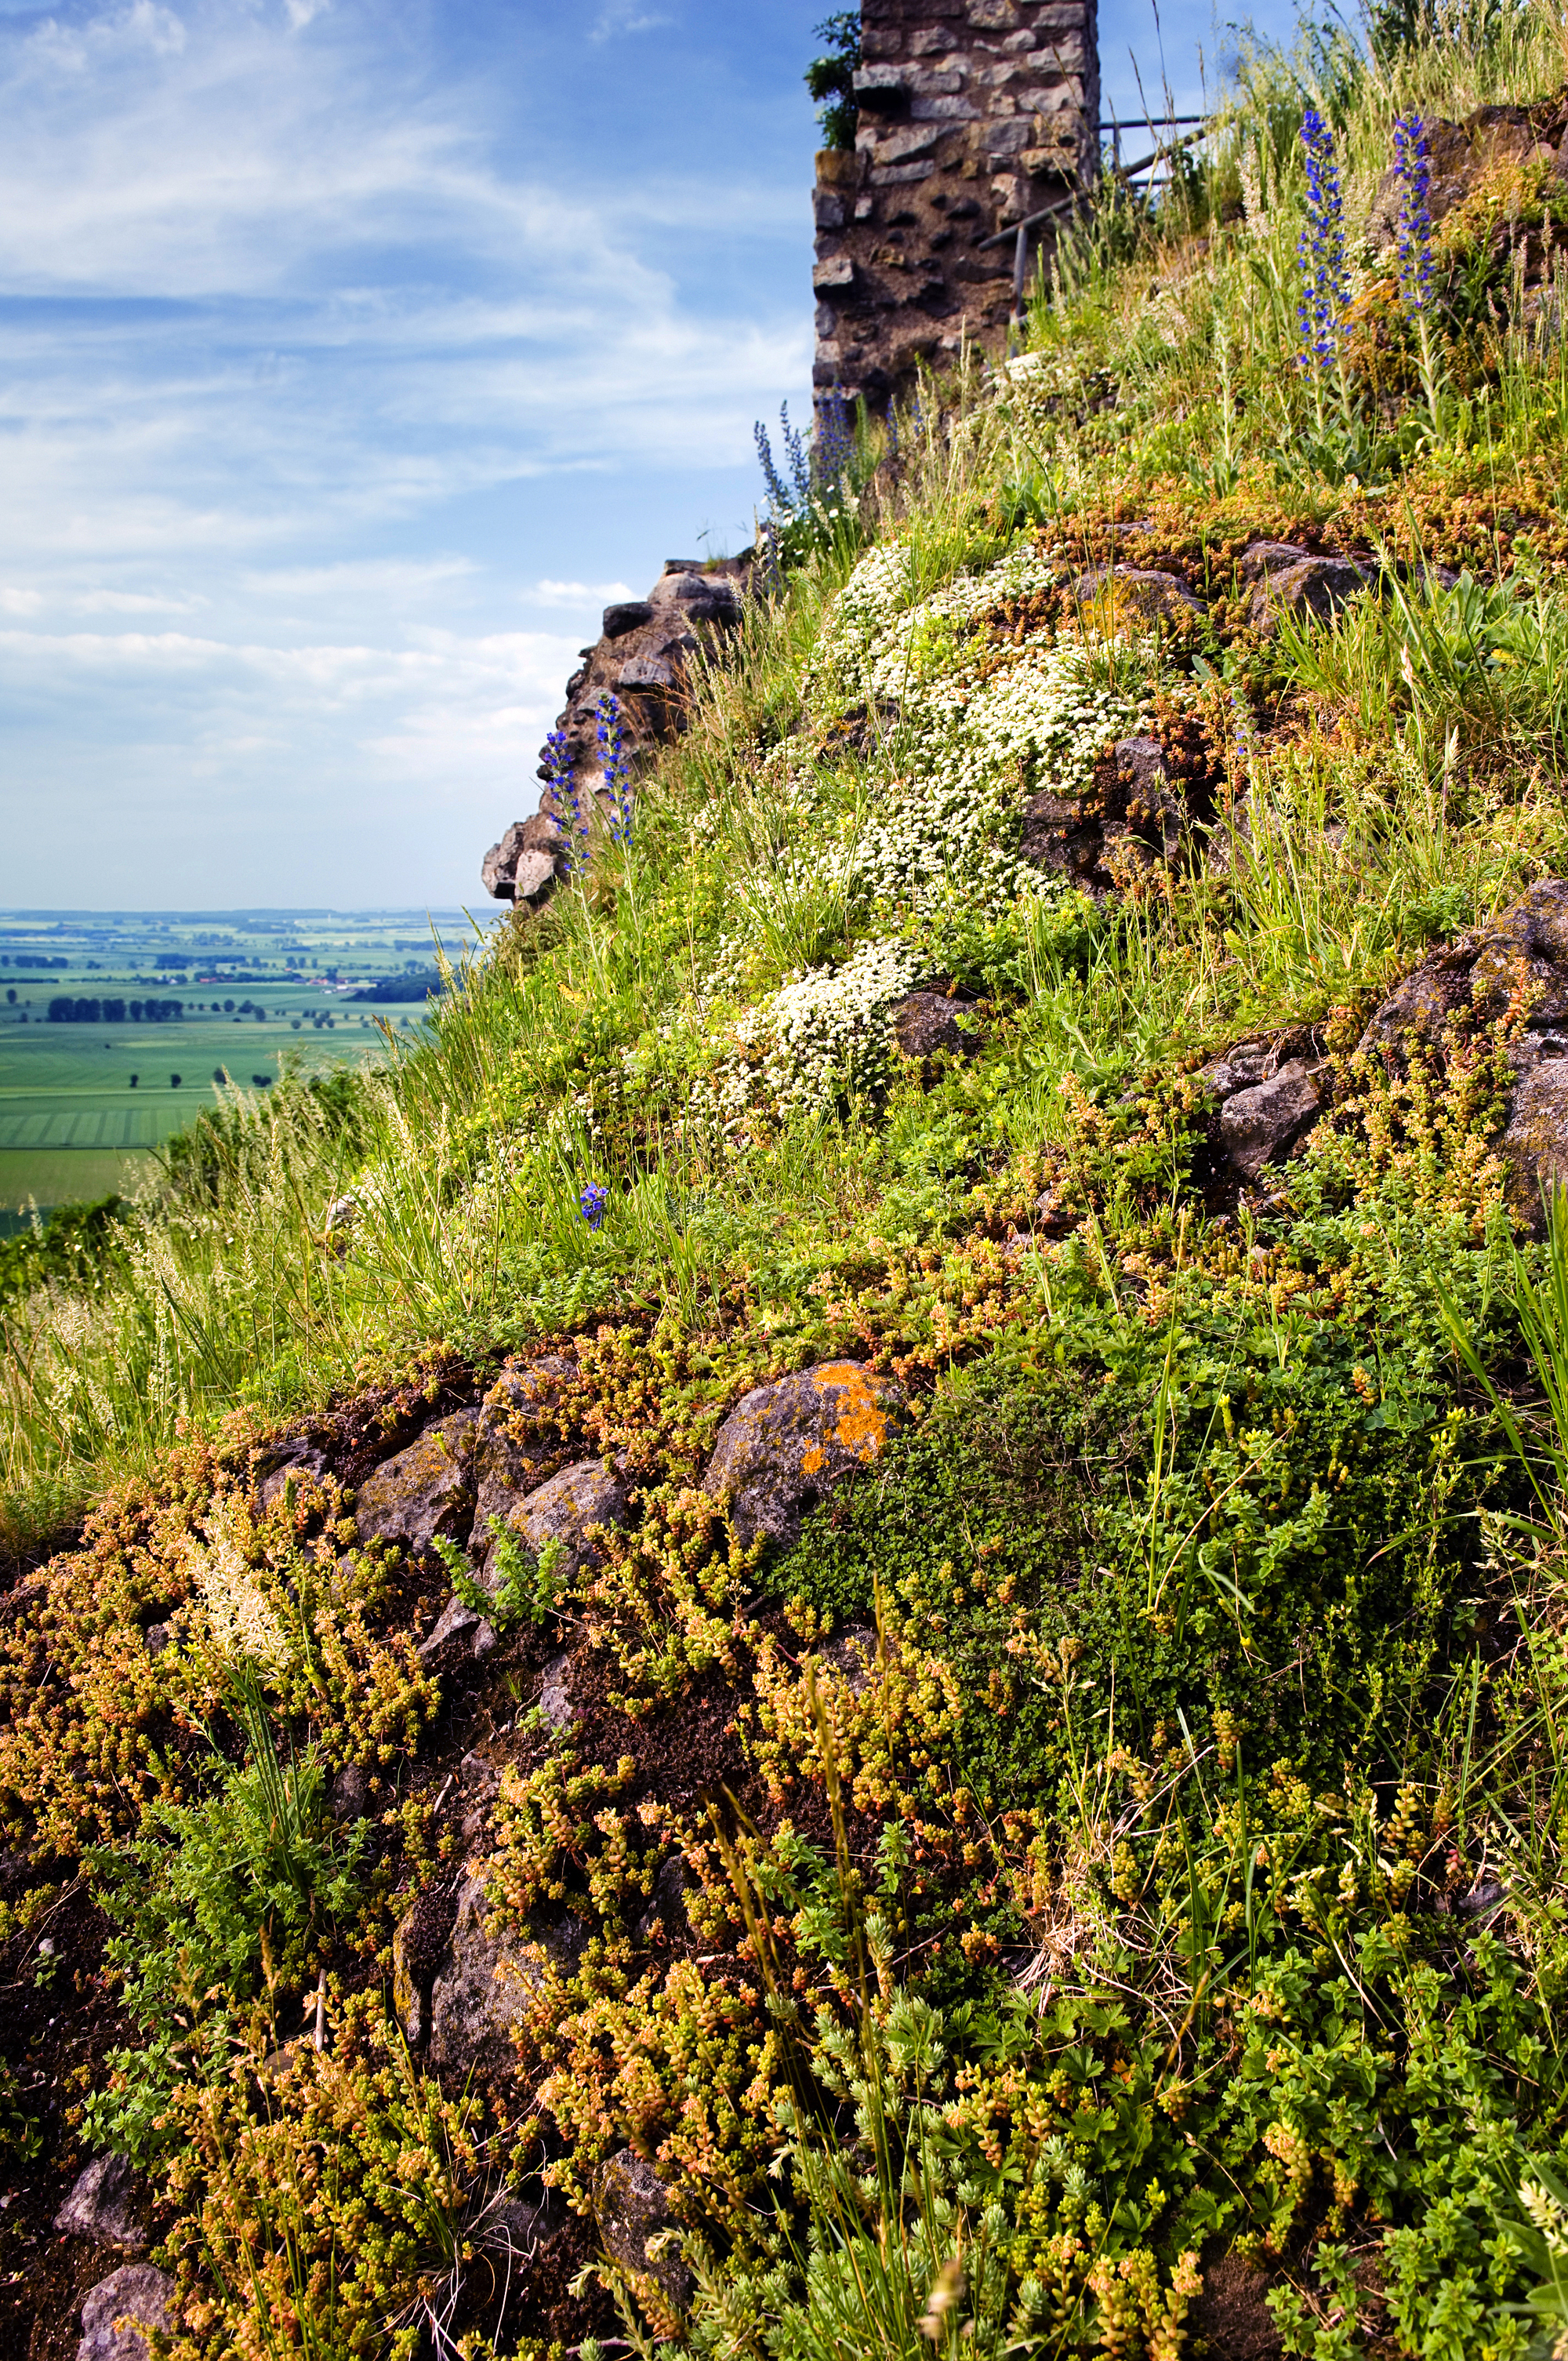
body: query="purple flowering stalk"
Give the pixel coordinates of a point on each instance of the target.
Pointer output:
(1413, 241)
(834, 446)
(799, 460)
(1325, 284)
(778, 498)
(592, 1204)
(567, 807)
(617, 768)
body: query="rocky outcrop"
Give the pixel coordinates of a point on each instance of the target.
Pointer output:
(1268, 1096)
(633, 2208)
(785, 1445)
(1135, 815)
(1460, 154)
(424, 1491)
(1513, 968)
(640, 658)
(136, 2296)
(102, 2206)
(484, 1984)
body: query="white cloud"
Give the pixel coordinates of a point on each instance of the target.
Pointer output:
(626, 17)
(301, 362)
(574, 594)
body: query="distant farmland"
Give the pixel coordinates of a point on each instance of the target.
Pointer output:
(254, 989)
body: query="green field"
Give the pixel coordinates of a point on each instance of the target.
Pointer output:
(82, 1105)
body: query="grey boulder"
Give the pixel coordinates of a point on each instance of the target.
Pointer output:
(926, 1023)
(1261, 1125)
(1313, 587)
(424, 1491)
(1535, 1140)
(1263, 557)
(784, 1445)
(633, 2206)
(564, 1509)
(1145, 590)
(102, 2205)
(136, 2294)
(485, 1984)
(458, 1630)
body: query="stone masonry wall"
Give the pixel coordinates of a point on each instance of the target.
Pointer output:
(973, 114)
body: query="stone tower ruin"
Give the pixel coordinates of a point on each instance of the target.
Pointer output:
(974, 115)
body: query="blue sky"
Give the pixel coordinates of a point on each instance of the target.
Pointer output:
(352, 354)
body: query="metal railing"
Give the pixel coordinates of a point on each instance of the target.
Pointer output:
(1165, 152)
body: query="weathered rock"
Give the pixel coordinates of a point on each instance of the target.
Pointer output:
(348, 1798)
(926, 1023)
(505, 1470)
(633, 2206)
(554, 1703)
(1261, 557)
(1535, 1140)
(1140, 591)
(641, 659)
(526, 859)
(666, 1912)
(1312, 586)
(1261, 1125)
(480, 1781)
(299, 1464)
(564, 1508)
(647, 676)
(485, 1983)
(137, 2294)
(786, 1445)
(1460, 153)
(1516, 962)
(419, 1943)
(458, 1630)
(102, 2205)
(852, 1655)
(424, 1491)
(1132, 815)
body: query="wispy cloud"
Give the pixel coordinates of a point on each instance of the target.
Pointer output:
(321, 367)
(574, 594)
(627, 16)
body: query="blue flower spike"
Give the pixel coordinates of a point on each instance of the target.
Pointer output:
(617, 768)
(593, 1201)
(1325, 284)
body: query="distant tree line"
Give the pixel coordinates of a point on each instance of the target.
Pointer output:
(30, 958)
(65, 1010)
(424, 985)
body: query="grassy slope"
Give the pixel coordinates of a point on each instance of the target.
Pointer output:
(1123, 1904)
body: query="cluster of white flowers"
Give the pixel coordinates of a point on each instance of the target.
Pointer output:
(822, 1038)
(971, 739)
(969, 757)
(241, 1618)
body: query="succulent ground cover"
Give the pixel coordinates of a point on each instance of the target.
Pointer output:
(843, 1632)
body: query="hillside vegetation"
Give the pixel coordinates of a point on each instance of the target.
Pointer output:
(1042, 1833)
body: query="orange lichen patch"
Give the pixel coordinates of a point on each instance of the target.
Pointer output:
(813, 1459)
(862, 1422)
